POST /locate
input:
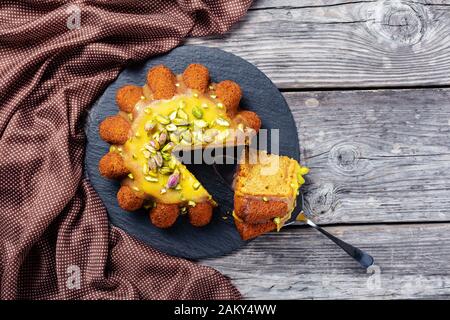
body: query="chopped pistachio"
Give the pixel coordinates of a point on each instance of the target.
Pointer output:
(142, 98)
(149, 125)
(163, 190)
(135, 188)
(130, 116)
(171, 127)
(172, 163)
(151, 179)
(134, 156)
(130, 175)
(196, 185)
(168, 147)
(182, 104)
(195, 95)
(112, 149)
(220, 105)
(265, 199)
(162, 119)
(173, 115)
(174, 138)
(180, 122)
(178, 187)
(211, 87)
(213, 96)
(162, 138)
(158, 159)
(197, 112)
(165, 170)
(137, 135)
(177, 84)
(205, 106)
(146, 154)
(187, 136)
(166, 156)
(222, 122)
(191, 203)
(148, 110)
(200, 123)
(182, 115)
(145, 168)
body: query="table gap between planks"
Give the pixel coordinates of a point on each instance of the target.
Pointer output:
(368, 83)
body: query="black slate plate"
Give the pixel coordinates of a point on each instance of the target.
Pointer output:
(220, 236)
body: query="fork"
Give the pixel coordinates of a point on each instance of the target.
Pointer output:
(364, 259)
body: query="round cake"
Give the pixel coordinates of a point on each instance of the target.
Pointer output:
(167, 114)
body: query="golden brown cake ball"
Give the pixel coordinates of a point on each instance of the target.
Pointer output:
(230, 94)
(196, 76)
(250, 119)
(201, 214)
(112, 166)
(114, 130)
(127, 97)
(128, 199)
(164, 215)
(161, 81)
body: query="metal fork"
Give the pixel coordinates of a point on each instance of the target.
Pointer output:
(364, 259)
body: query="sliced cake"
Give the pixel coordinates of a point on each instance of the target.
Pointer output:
(266, 189)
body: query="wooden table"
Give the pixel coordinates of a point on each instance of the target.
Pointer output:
(368, 83)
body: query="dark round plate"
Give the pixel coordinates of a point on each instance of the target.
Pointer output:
(183, 240)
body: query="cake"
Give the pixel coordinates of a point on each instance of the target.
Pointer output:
(266, 188)
(171, 112)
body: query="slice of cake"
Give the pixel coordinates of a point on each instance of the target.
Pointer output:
(266, 189)
(168, 113)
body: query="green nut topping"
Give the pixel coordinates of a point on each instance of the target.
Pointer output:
(162, 119)
(182, 115)
(173, 115)
(171, 127)
(196, 185)
(222, 122)
(197, 112)
(165, 170)
(191, 203)
(151, 179)
(200, 123)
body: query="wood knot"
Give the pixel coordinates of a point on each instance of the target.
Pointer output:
(345, 158)
(398, 21)
(320, 200)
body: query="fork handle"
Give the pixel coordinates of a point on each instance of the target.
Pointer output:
(364, 259)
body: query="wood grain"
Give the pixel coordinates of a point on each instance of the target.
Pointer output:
(299, 263)
(375, 156)
(344, 43)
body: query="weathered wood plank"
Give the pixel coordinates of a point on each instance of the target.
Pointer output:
(375, 156)
(299, 263)
(337, 43)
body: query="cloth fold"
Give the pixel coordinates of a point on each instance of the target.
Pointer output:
(56, 57)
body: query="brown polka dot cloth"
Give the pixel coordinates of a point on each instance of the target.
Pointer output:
(56, 57)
